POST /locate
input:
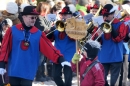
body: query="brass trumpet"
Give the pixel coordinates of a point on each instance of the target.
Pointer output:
(60, 25)
(106, 27)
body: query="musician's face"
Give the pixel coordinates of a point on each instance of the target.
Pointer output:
(93, 11)
(109, 17)
(66, 16)
(29, 20)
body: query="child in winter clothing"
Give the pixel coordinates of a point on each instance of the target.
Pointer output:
(91, 70)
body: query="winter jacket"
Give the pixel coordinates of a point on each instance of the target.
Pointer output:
(13, 17)
(38, 24)
(94, 77)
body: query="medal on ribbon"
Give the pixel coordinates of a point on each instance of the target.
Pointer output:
(25, 43)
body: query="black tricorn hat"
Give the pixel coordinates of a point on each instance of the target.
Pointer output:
(66, 10)
(107, 10)
(30, 10)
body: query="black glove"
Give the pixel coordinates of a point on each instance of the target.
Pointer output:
(126, 39)
(50, 33)
(62, 61)
(90, 30)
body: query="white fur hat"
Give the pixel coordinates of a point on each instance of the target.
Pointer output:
(72, 8)
(12, 7)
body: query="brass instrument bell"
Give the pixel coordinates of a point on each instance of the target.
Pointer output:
(60, 25)
(106, 27)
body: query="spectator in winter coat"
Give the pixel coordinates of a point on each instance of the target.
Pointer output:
(43, 8)
(11, 12)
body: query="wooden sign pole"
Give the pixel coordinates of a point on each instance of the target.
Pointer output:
(76, 29)
(77, 65)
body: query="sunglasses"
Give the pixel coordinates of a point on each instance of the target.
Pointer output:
(33, 17)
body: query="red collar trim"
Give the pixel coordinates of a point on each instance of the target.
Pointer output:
(116, 20)
(32, 30)
(127, 18)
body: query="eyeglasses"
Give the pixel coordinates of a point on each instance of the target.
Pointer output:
(33, 17)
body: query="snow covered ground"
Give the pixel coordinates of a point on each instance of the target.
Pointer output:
(74, 82)
(52, 83)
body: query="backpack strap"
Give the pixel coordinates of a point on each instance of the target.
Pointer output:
(87, 70)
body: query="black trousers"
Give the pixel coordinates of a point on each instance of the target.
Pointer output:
(41, 69)
(57, 75)
(121, 73)
(114, 69)
(15, 81)
(121, 76)
(40, 72)
(129, 71)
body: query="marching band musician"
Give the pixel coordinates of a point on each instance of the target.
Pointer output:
(111, 53)
(94, 7)
(93, 10)
(124, 70)
(21, 47)
(127, 18)
(67, 47)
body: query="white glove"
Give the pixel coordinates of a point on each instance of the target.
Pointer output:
(2, 71)
(66, 63)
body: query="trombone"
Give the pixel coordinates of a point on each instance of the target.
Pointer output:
(90, 24)
(90, 27)
(105, 27)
